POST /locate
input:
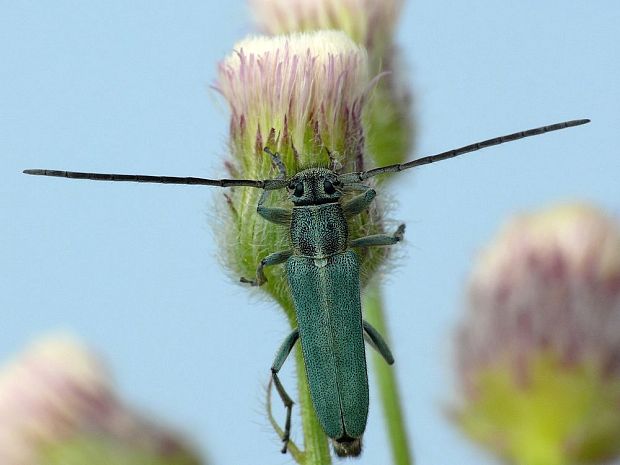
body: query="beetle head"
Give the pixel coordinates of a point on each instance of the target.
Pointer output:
(315, 186)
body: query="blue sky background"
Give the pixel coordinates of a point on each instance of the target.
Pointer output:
(132, 269)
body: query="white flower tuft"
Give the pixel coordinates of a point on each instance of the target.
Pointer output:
(293, 83)
(390, 130)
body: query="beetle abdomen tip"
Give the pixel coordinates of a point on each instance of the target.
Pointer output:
(347, 447)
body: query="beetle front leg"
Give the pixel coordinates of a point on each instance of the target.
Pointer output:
(277, 160)
(272, 259)
(379, 239)
(283, 353)
(280, 216)
(359, 203)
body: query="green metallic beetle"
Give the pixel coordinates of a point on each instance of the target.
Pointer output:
(323, 274)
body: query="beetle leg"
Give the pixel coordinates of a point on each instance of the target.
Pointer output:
(377, 342)
(280, 216)
(277, 160)
(272, 259)
(285, 350)
(283, 353)
(360, 202)
(379, 239)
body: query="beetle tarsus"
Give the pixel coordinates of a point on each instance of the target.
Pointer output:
(260, 278)
(400, 233)
(277, 160)
(252, 282)
(288, 404)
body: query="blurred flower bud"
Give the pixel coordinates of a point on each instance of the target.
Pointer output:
(538, 352)
(302, 95)
(58, 407)
(371, 24)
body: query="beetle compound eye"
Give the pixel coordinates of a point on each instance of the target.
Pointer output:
(299, 189)
(328, 186)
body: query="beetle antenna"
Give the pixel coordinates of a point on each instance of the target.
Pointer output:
(150, 179)
(466, 149)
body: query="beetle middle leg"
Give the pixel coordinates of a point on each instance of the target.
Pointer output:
(272, 259)
(360, 202)
(281, 356)
(380, 239)
(280, 216)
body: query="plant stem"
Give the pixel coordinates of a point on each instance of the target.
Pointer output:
(316, 447)
(386, 381)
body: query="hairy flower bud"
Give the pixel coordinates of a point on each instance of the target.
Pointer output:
(58, 407)
(370, 23)
(539, 349)
(302, 95)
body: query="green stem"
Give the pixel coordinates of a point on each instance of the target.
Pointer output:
(386, 381)
(316, 447)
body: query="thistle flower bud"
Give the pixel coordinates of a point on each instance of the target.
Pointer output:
(371, 24)
(302, 95)
(538, 352)
(57, 406)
